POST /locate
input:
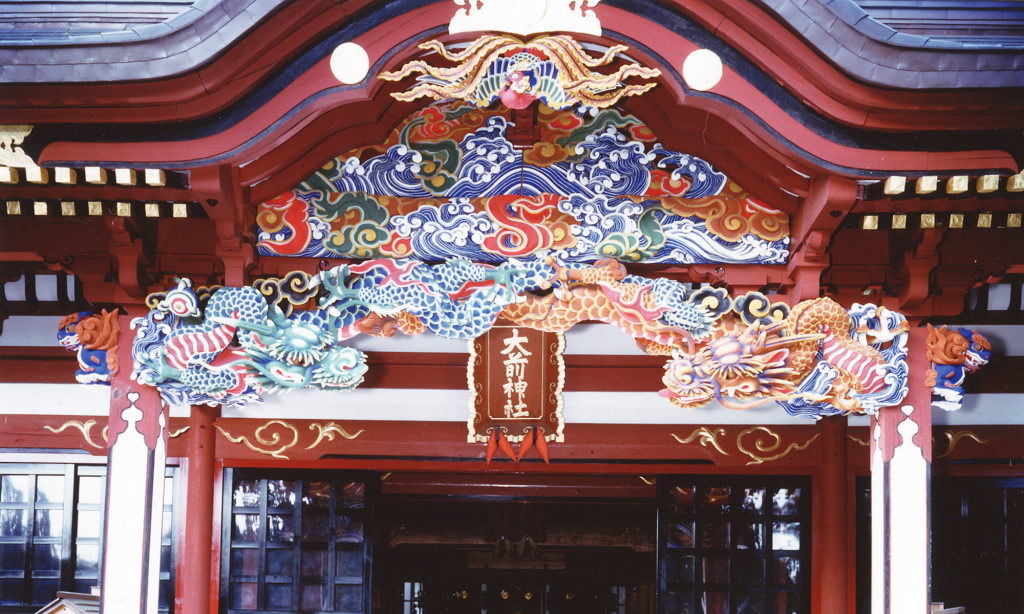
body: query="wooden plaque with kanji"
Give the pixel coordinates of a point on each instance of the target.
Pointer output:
(515, 382)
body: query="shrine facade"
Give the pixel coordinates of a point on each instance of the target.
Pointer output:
(512, 307)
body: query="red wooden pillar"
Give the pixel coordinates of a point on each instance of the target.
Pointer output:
(834, 531)
(199, 517)
(901, 453)
(136, 456)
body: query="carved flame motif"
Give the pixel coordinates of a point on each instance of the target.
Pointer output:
(553, 69)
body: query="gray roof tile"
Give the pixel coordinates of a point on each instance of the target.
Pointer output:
(206, 49)
(822, 40)
(847, 10)
(237, 26)
(170, 65)
(213, 22)
(930, 79)
(120, 37)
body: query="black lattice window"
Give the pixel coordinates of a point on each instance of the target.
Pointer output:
(51, 533)
(295, 544)
(736, 545)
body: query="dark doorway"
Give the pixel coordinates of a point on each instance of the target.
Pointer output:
(507, 557)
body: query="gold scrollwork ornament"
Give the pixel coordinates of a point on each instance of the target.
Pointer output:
(706, 437)
(329, 430)
(954, 438)
(759, 445)
(274, 439)
(85, 428)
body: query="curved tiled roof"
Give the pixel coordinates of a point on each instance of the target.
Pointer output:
(78, 41)
(875, 53)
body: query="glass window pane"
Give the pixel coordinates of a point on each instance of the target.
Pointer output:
(750, 603)
(715, 534)
(247, 493)
(749, 569)
(314, 563)
(280, 562)
(50, 488)
(313, 597)
(89, 524)
(247, 527)
(315, 528)
(716, 499)
(348, 598)
(44, 590)
(166, 593)
(682, 499)
(350, 530)
(13, 523)
(317, 495)
(46, 557)
(680, 534)
(786, 536)
(786, 570)
(165, 527)
(351, 496)
(12, 591)
(280, 493)
(750, 536)
(168, 490)
(87, 558)
(680, 602)
(165, 558)
(716, 569)
(716, 602)
(279, 596)
(243, 596)
(90, 489)
(12, 557)
(245, 561)
(49, 523)
(786, 501)
(753, 500)
(84, 585)
(679, 569)
(280, 528)
(350, 563)
(14, 489)
(787, 603)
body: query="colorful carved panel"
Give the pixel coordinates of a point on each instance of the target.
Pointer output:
(93, 339)
(815, 358)
(553, 69)
(953, 356)
(596, 185)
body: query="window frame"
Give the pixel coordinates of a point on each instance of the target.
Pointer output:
(734, 516)
(300, 477)
(70, 540)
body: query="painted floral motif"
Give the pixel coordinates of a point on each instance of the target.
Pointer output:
(447, 184)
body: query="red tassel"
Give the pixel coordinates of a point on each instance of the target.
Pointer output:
(542, 446)
(526, 445)
(505, 446)
(492, 445)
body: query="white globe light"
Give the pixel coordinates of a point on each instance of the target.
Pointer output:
(702, 70)
(349, 63)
